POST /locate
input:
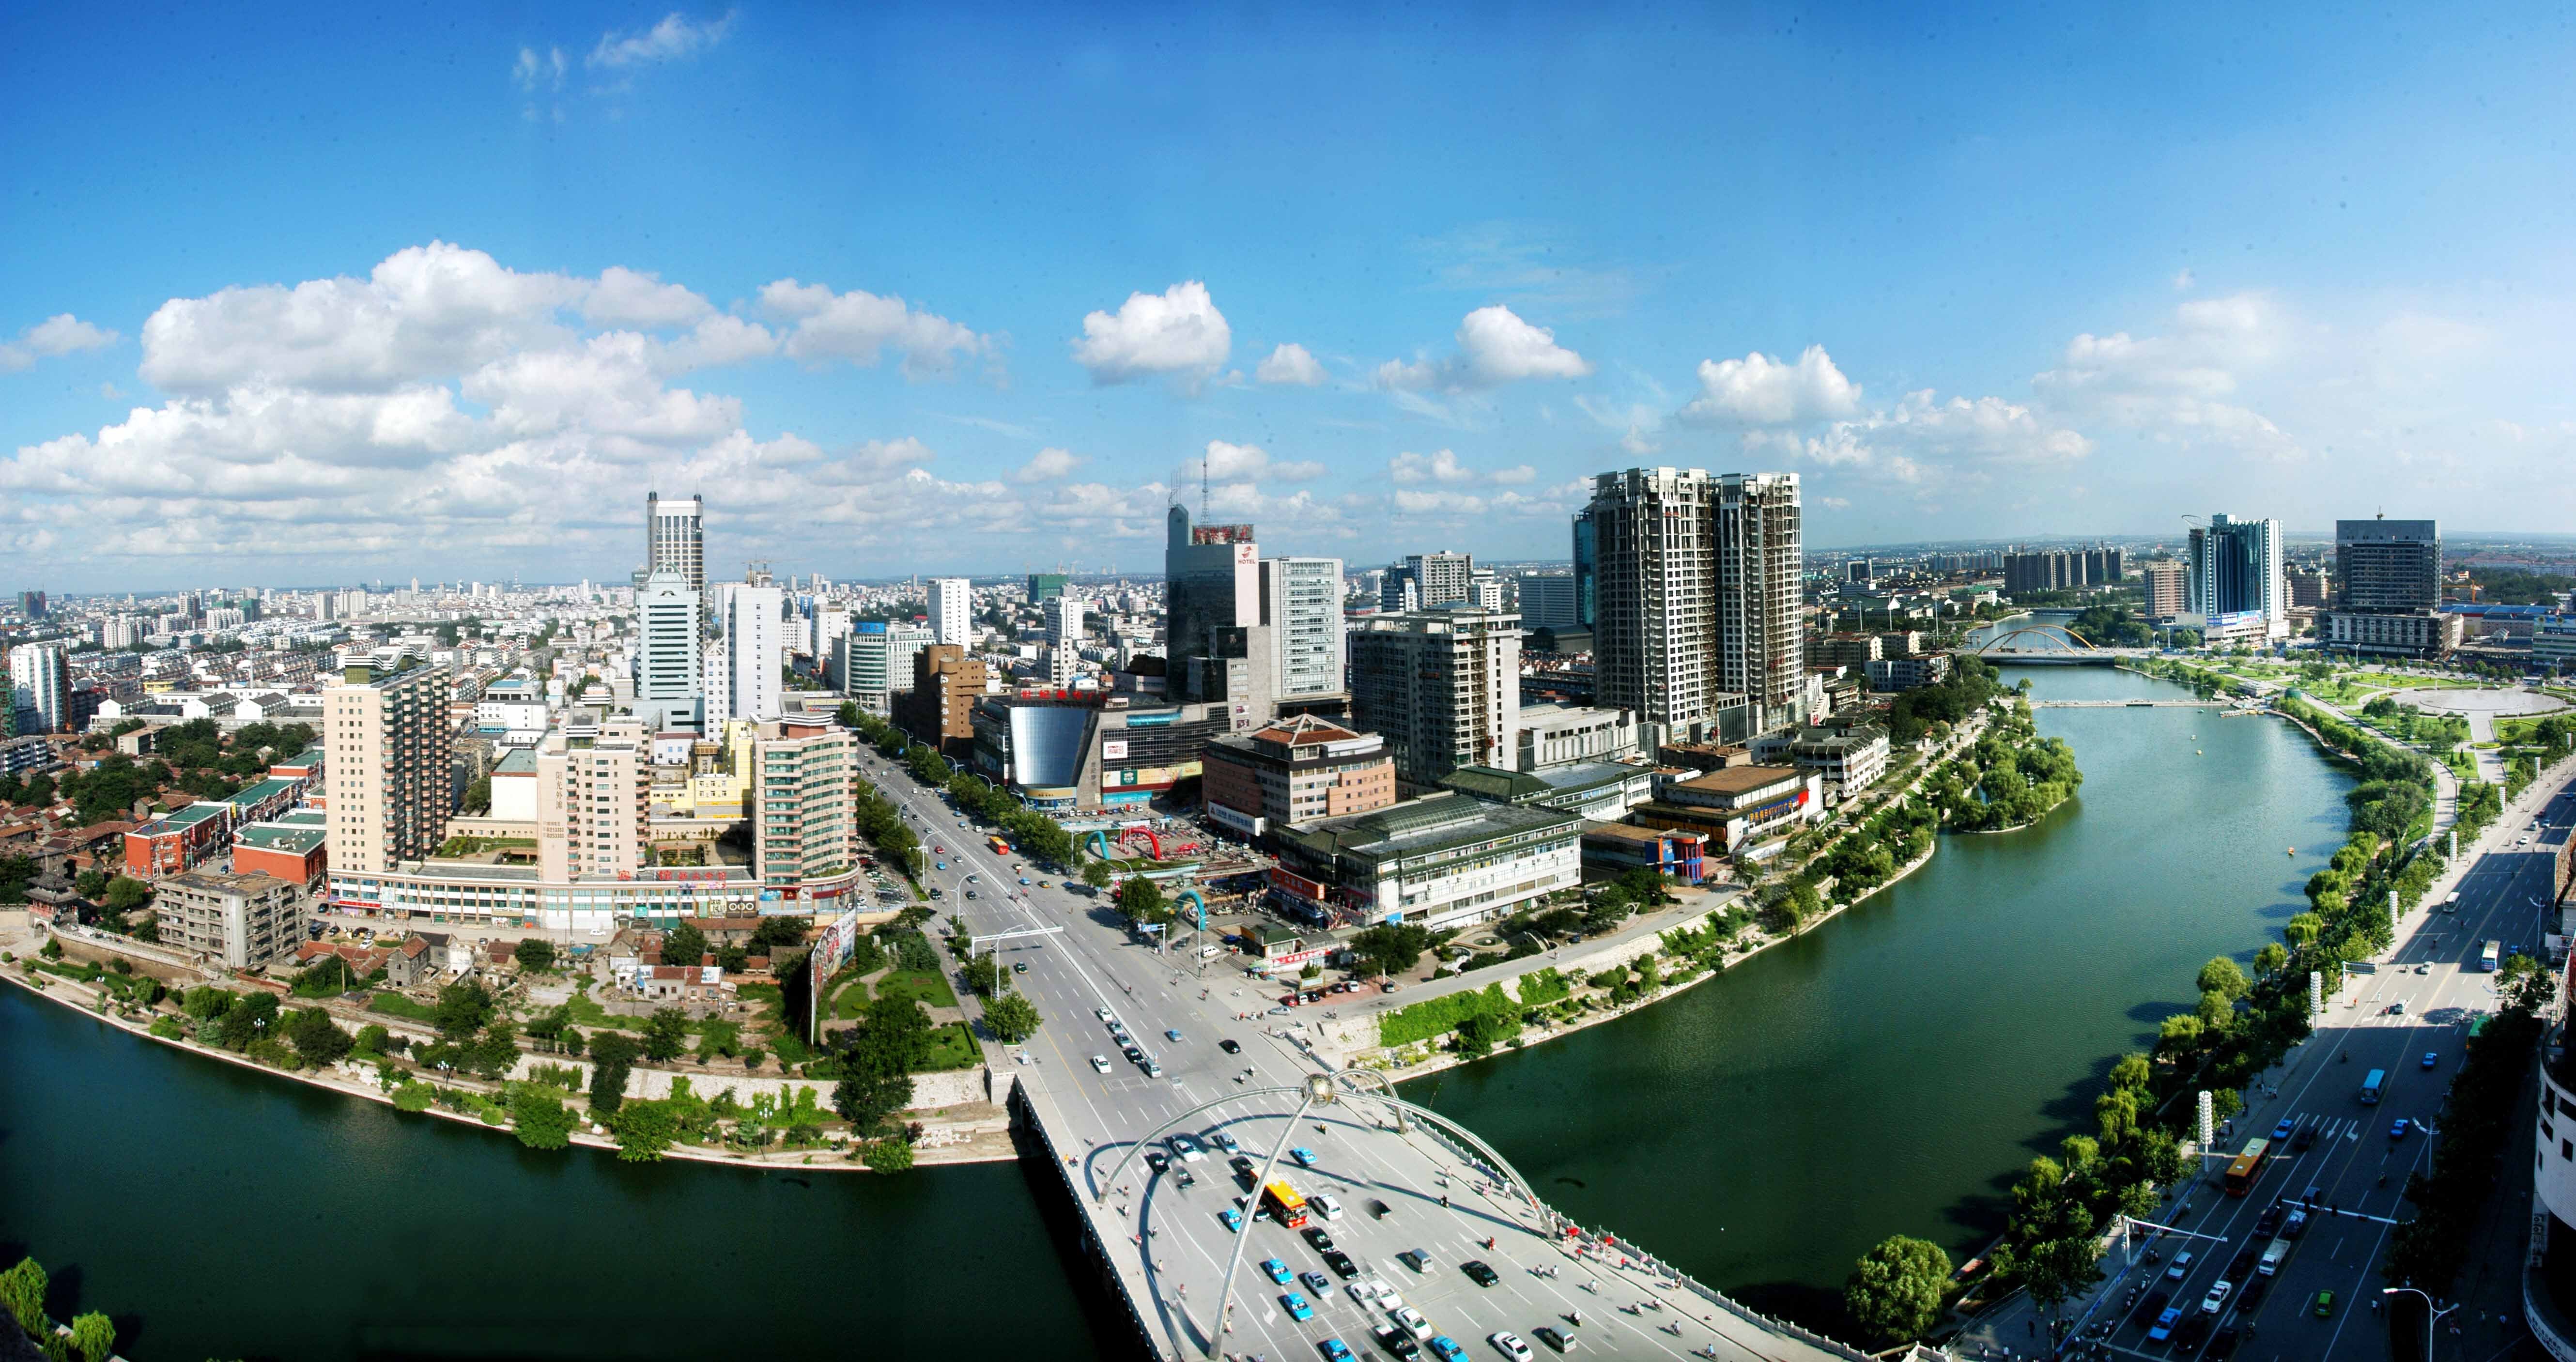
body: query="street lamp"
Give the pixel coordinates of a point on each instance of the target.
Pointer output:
(2428, 1319)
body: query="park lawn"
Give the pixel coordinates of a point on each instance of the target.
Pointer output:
(922, 986)
(851, 1002)
(951, 1047)
(396, 1005)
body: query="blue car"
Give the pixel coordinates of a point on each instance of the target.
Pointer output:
(2398, 1131)
(2282, 1131)
(1277, 1271)
(1231, 1218)
(1295, 1304)
(1335, 1350)
(2164, 1325)
(1446, 1349)
(1172, 1034)
(2432, 1059)
(1305, 1157)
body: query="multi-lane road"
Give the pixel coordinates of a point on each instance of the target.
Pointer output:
(2352, 1170)
(1182, 1014)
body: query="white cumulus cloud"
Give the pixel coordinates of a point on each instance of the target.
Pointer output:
(1225, 461)
(1177, 332)
(1494, 347)
(859, 326)
(1049, 464)
(625, 297)
(60, 334)
(1290, 364)
(1761, 390)
(674, 37)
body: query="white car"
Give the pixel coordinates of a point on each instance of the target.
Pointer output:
(1363, 1293)
(1411, 1321)
(1323, 1204)
(2216, 1300)
(1100, 1063)
(1509, 1345)
(1104, 1014)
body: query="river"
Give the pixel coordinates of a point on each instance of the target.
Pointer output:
(1894, 1069)
(216, 1212)
(1889, 1072)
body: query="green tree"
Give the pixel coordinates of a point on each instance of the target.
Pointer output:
(125, 894)
(541, 1119)
(462, 1009)
(492, 1055)
(2222, 977)
(1013, 1017)
(1095, 873)
(22, 1289)
(535, 953)
(717, 1037)
(644, 1130)
(93, 1336)
(612, 1056)
(683, 945)
(666, 1034)
(316, 1038)
(91, 883)
(1390, 948)
(372, 1038)
(1896, 1291)
(2271, 960)
(478, 796)
(1140, 901)
(889, 1155)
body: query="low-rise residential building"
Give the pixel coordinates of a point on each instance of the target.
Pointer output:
(1747, 811)
(1295, 771)
(1851, 759)
(1908, 673)
(1442, 861)
(179, 840)
(298, 853)
(2391, 633)
(246, 921)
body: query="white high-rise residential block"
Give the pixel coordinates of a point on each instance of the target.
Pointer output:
(750, 624)
(388, 749)
(1696, 591)
(1064, 619)
(40, 680)
(1302, 599)
(952, 611)
(1442, 687)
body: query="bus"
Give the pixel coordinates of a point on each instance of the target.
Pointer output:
(1000, 847)
(2247, 1166)
(1281, 1201)
(2370, 1087)
(2487, 956)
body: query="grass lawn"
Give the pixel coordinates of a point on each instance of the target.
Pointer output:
(396, 1005)
(952, 1047)
(922, 986)
(586, 1011)
(851, 1001)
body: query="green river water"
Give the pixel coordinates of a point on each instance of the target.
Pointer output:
(1888, 1072)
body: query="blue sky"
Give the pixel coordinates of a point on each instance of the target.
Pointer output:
(316, 296)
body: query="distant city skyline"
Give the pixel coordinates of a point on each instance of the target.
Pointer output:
(907, 292)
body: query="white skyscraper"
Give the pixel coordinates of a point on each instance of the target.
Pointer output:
(675, 538)
(40, 680)
(952, 610)
(1302, 599)
(1064, 617)
(749, 624)
(666, 649)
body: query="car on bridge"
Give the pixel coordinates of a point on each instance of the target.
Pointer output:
(1509, 1345)
(1317, 1282)
(1186, 1147)
(2398, 1130)
(1323, 1204)
(1276, 1270)
(1397, 1342)
(2325, 1304)
(2163, 1328)
(2432, 1059)
(1230, 1045)
(1334, 1350)
(2285, 1129)
(1231, 1218)
(1316, 1238)
(1446, 1349)
(1305, 1157)
(1560, 1339)
(1100, 1062)
(1479, 1273)
(1295, 1304)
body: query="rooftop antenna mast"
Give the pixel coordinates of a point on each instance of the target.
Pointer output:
(1203, 488)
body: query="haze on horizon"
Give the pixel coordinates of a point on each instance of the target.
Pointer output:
(918, 291)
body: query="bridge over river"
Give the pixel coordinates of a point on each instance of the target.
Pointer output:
(2140, 704)
(1211, 1063)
